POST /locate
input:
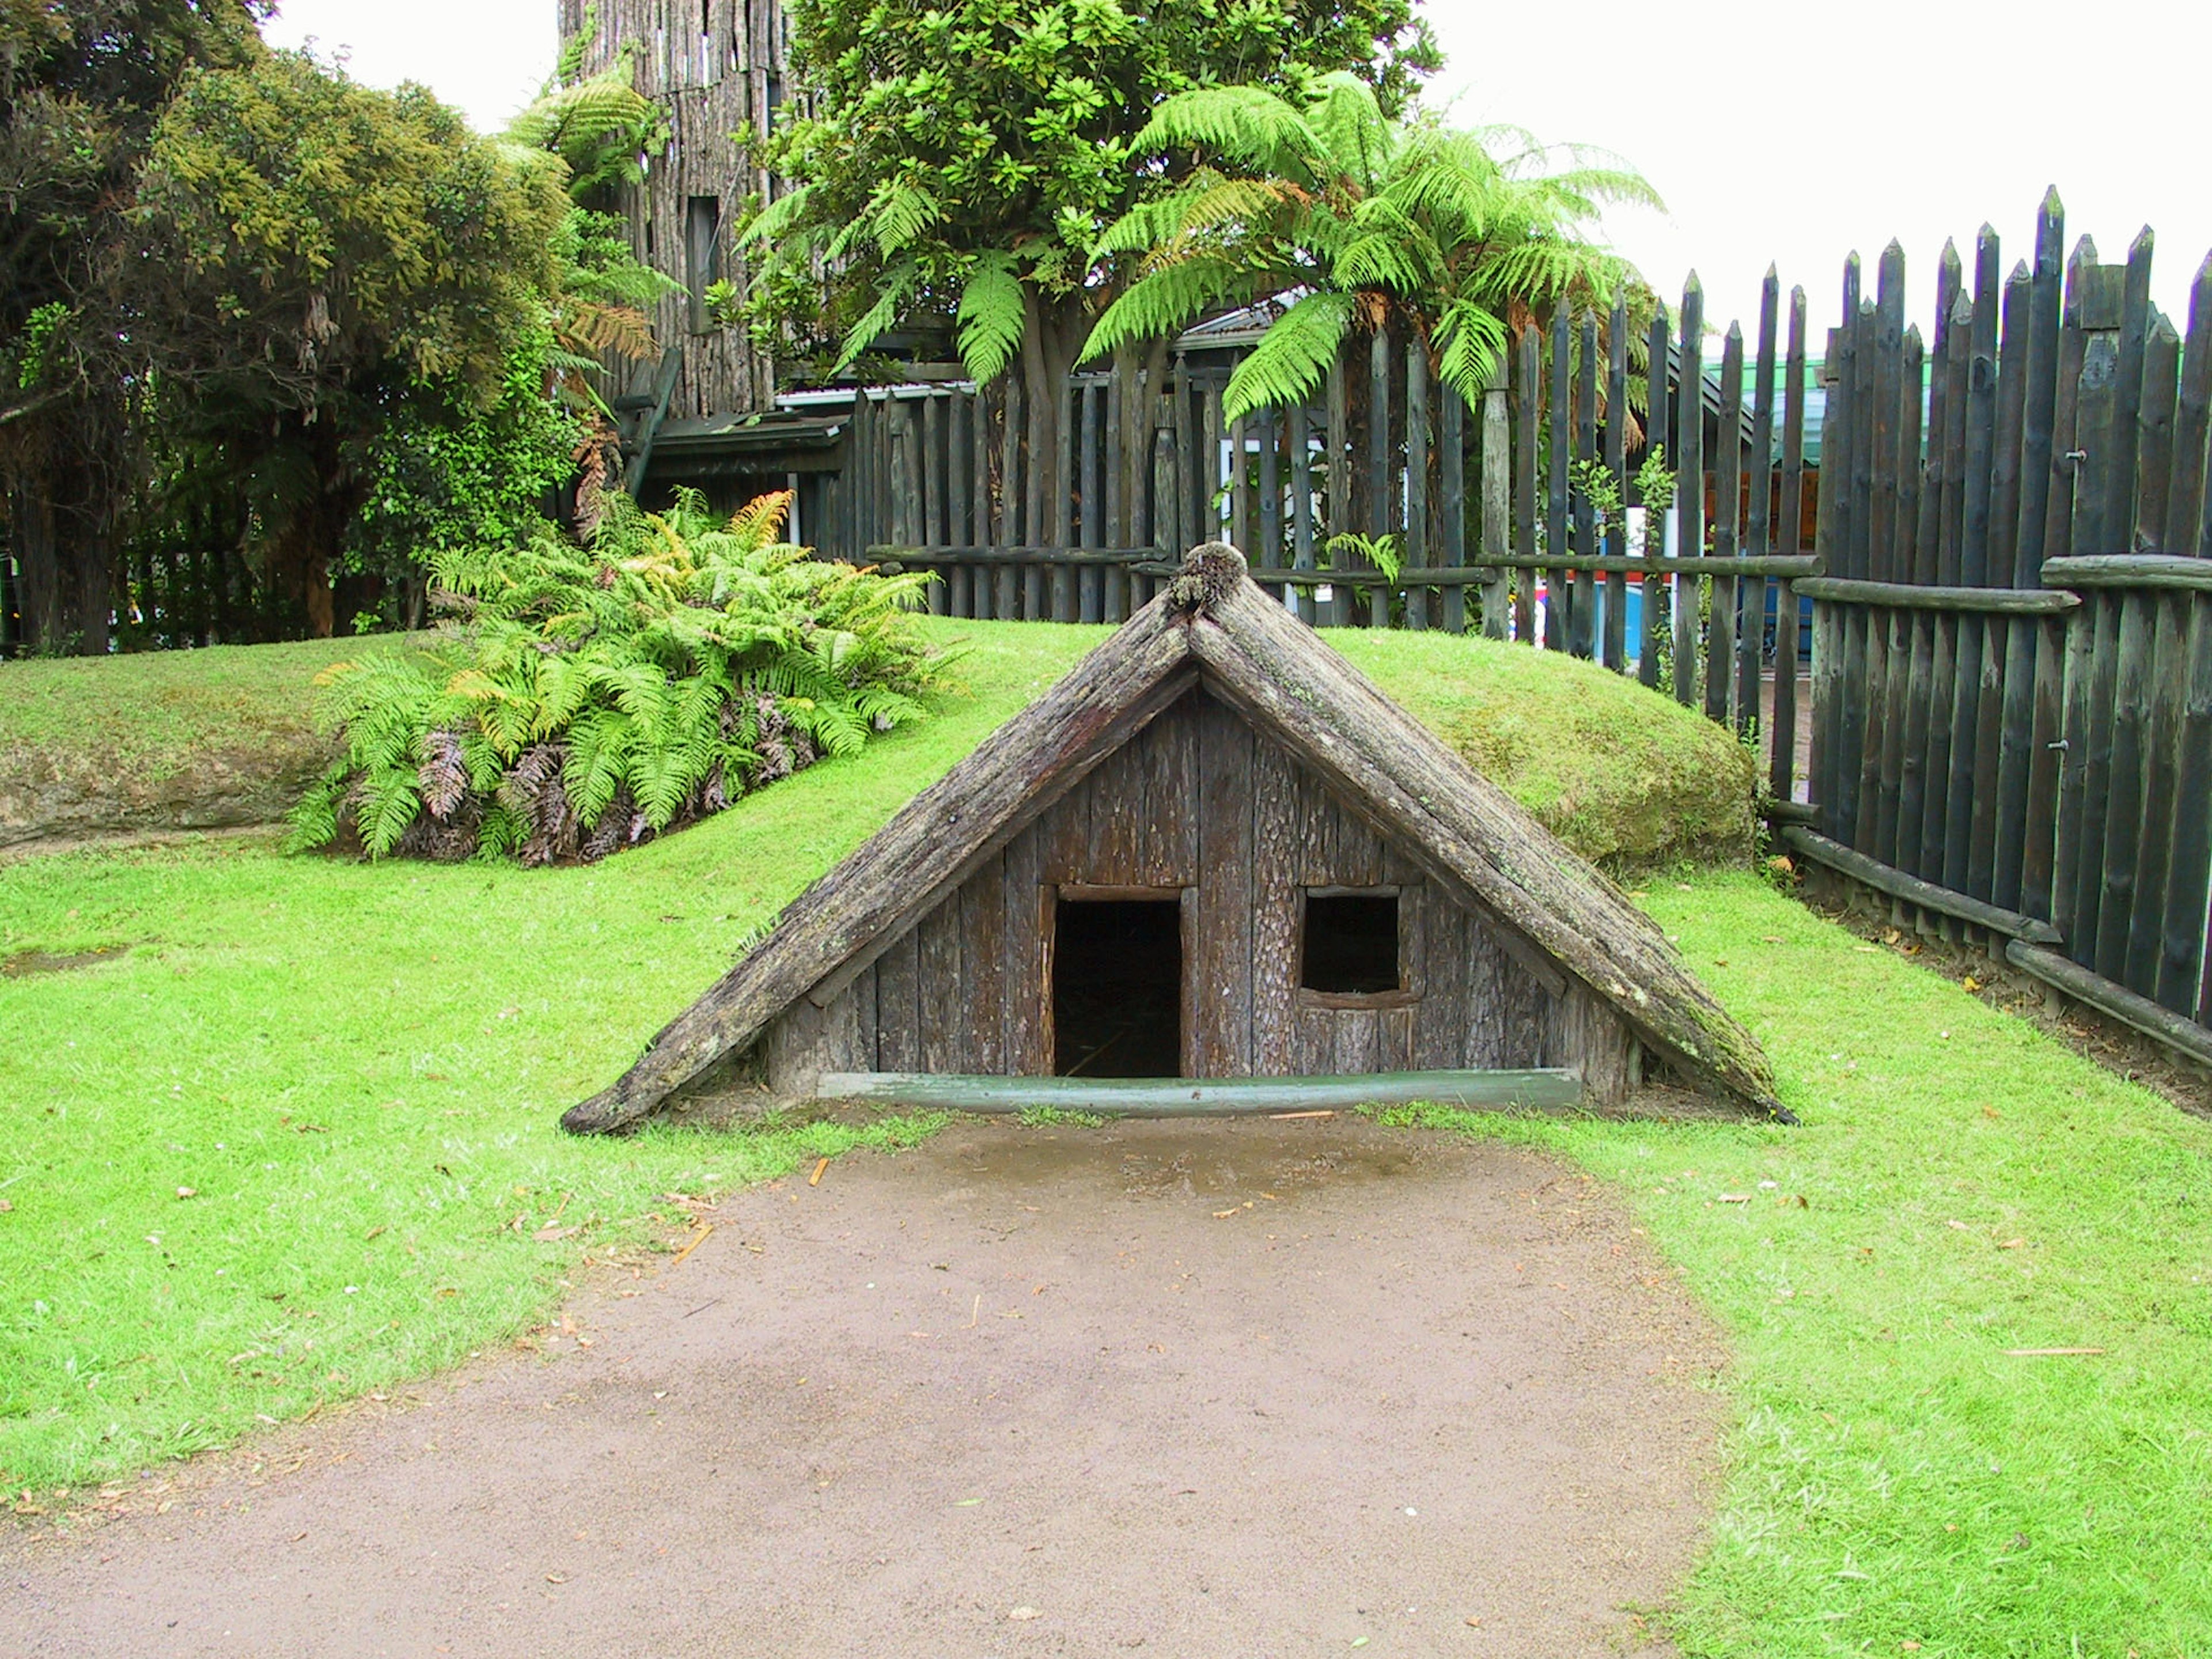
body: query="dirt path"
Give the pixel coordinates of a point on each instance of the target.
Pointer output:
(1259, 1388)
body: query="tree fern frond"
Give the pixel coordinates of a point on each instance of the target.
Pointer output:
(777, 220)
(1292, 359)
(1247, 125)
(899, 216)
(1162, 304)
(992, 316)
(879, 318)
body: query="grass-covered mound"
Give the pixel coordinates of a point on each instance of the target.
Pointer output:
(1622, 775)
(206, 738)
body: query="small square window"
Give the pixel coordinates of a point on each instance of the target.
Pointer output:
(1351, 944)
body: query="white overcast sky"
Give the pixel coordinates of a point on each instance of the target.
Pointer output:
(1776, 131)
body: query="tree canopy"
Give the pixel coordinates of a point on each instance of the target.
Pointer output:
(82, 86)
(326, 328)
(965, 158)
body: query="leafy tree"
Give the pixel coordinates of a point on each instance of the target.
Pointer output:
(334, 251)
(1349, 219)
(443, 472)
(964, 156)
(82, 85)
(594, 698)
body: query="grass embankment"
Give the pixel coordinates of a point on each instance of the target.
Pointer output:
(225, 737)
(161, 739)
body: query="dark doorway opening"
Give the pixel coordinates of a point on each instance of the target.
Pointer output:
(1118, 987)
(1351, 944)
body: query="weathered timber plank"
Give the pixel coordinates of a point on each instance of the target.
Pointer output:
(1117, 819)
(939, 996)
(1221, 1037)
(899, 1026)
(1440, 1016)
(1276, 822)
(1026, 1025)
(1358, 1040)
(1169, 749)
(981, 1014)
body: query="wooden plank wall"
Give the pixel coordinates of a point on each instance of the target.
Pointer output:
(1199, 800)
(718, 66)
(2014, 698)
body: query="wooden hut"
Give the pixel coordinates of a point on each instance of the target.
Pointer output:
(1214, 865)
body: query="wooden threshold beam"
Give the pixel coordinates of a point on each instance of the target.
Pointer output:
(1533, 1090)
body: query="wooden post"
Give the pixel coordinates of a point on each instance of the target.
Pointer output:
(1269, 551)
(1496, 476)
(1582, 630)
(1338, 611)
(1528, 347)
(1379, 505)
(1781, 756)
(1451, 484)
(2183, 959)
(1689, 483)
(1559, 591)
(1655, 431)
(1302, 508)
(1240, 494)
(1759, 526)
(1091, 605)
(1417, 477)
(1728, 492)
(1613, 649)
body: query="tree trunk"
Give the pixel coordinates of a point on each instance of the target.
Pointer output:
(1053, 331)
(58, 528)
(307, 544)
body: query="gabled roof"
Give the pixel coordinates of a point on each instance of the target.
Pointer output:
(1213, 626)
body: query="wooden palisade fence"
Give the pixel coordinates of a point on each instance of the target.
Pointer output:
(932, 478)
(2003, 544)
(2013, 656)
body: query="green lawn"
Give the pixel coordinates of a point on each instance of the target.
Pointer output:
(355, 1072)
(1969, 1188)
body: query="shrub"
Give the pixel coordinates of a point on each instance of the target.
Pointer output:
(582, 700)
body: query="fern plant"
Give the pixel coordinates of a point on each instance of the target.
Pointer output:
(1343, 218)
(582, 700)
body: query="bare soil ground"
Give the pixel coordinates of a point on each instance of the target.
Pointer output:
(1172, 1388)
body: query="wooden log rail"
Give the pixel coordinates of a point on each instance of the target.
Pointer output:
(1897, 885)
(1916, 596)
(1534, 1091)
(2171, 572)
